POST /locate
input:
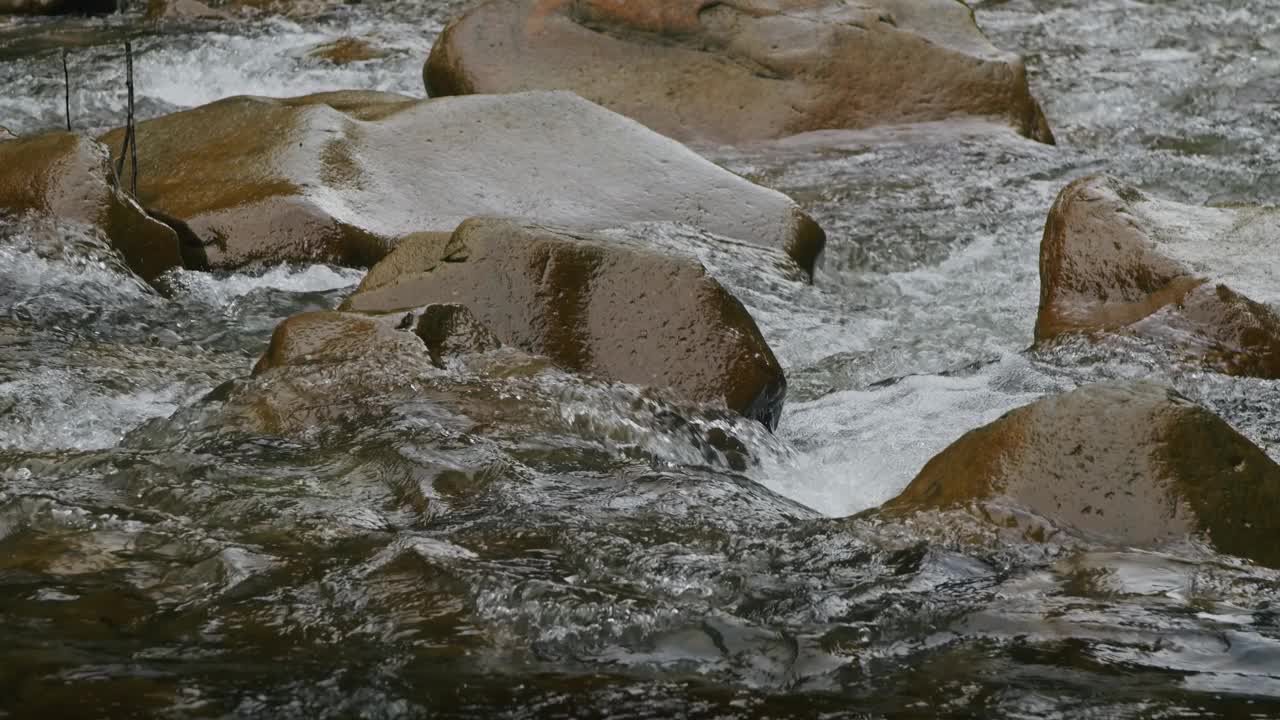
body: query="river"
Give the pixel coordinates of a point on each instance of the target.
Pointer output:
(534, 544)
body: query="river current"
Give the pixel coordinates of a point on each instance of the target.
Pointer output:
(506, 540)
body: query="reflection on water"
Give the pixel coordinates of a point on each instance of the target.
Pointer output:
(390, 539)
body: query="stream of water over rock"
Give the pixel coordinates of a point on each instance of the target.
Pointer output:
(550, 546)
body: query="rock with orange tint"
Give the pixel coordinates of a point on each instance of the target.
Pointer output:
(437, 331)
(1129, 463)
(1204, 281)
(449, 329)
(326, 337)
(66, 176)
(329, 369)
(341, 177)
(590, 305)
(183, 10)
(347, 50)
(732, 71)
(57, 7)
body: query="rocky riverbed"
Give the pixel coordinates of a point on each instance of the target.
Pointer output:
(786, 360)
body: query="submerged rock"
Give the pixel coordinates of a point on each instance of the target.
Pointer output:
(66, 176)
(347, 50)
(590, 305)
(340, 177)
(438, 330)
(289, 8)
(57, 7)
(327, 336)
(449, 329)
(332, 371)
(1201, 280)
(742, 70)
(183, 10)
(1134, 463)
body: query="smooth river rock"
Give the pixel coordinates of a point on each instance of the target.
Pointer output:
(1204, 281)
(590, 305)
(347, 50)
(184, 10)
(333, 371)
(67, 176)
(57, 7)
(1132, 463)
(328, 336)
(440, 331)
(341, 177)
(742, 70)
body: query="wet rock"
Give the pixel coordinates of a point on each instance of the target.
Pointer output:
(66, 176)
(440, 331)
(290, 8)
(326, 336)
(1203, 281)
(184, 10)
(1134, 463)
(340, 177)
(347, 50)
(57, 7)
(742, 70)
(233, 9)
(590, 305)
(449, 329)
(5, 134)
(332, 372)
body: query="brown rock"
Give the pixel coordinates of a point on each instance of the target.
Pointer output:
(590, 305)
(232, 9)
(57, 7)
(1202, 280)
(325, 336)
(742, 70)
(450, 329)
(291, 8)
(66, 176)
(328, 370)
(440, 331)
(340, 177)
(1134, 463)
(183, 10)
(347, 50)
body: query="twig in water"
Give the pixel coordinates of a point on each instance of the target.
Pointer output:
(130, 138)
(66, 84)
(133, 128)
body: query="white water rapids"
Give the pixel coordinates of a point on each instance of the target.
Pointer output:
(589, 552)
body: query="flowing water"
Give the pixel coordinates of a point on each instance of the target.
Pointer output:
(500, 539)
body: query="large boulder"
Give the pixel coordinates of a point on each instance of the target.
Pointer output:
(57, 7)
(1202, 280)
(340, 177)
(1132, 463)
(590, 305)
(742, 70)
(67, 176)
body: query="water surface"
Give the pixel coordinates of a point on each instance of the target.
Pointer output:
(501, 539)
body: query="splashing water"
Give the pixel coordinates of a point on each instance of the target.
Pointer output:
(500, 538)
